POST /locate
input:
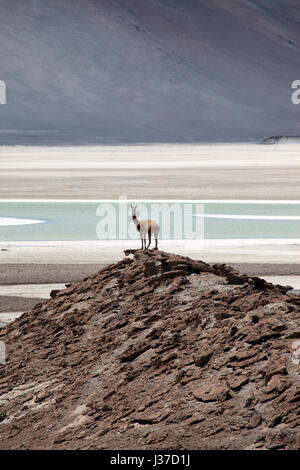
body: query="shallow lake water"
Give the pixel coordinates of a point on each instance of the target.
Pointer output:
(86, 220)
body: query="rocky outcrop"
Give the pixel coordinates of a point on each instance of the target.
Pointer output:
(280, 139)
(157, 351)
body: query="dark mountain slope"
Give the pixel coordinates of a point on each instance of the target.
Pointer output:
(152, 71)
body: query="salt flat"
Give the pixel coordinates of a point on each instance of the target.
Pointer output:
(243, 251)
(8, 317)
(32, 291)
(229, 171)
(293, 281)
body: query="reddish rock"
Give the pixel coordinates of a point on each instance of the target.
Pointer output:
(148, 418)
(281, 439)
(237, 382)
(203, 358)
(54, 293)
(255, 420)
(211, 391)
(277, 383)
(276, 365)
(155, 437)
(159, 352)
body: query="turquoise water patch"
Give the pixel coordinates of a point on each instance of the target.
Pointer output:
(63, 221)
(79, 220)
(252, 228)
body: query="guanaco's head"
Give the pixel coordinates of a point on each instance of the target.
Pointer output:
(133, 209)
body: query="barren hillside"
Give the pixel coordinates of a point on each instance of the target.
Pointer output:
(154, 352)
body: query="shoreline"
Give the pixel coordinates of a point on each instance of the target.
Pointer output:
(222, 171)
(244, 251)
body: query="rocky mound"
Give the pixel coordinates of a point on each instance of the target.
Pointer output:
(154, 352)
(280, 139)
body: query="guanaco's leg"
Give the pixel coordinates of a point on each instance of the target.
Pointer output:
(142, 243)
(149, 237)
(156, 244)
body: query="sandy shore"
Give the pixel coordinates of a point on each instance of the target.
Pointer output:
(17, 298)
(237, 171)
(243, 251)
(31, 291)
(8, 317)
(30, 273)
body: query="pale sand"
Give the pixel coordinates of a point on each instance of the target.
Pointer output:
(104, 252)
(19, 293)
(32, 291)
(237, 171)
(293, 281)
(8, 317)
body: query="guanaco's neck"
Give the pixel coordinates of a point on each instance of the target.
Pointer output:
(134, 218)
